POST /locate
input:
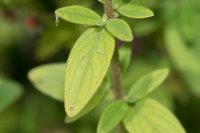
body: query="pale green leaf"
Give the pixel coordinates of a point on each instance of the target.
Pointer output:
(112, 116)
(49, 79)
(86, 67)
(135, 11)
(10, 91)
(96, 99)
(78, 14)
(147, 84)
(148, 116)
(120, 29)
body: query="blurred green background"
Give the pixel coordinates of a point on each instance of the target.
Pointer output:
(29, 38)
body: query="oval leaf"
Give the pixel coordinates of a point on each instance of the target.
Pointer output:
(10, 91)
(78, 14)
(86, 67)
(120, 29)
(135, 11)
(147, 84)
(148, 116)
(49, 79)
(112, 116)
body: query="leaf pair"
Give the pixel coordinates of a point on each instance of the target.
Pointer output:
(81, 15)
(131, 10)
(146, 115)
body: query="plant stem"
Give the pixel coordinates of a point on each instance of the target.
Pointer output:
(116, 72)
(108, 7)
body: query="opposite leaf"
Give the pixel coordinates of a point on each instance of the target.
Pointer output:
(9, 92)
(120, 29)
(78, 14)
(147, 84)
(112, 116)
(49, 79)
(86, 67)
(148, 116)
(135, 11)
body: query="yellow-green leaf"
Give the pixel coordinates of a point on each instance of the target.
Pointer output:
(120, 29)
(148, 116)
(112, 116)
(147, 84)
(49, 79)
(96, 99)
(10, 91)
(78, 14)
(86, 67)
(135, 11)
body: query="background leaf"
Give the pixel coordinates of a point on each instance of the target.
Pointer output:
(183, 58)
(120, 29)
(135, 11)
(86, 67)
(49, 79)
(10, 91)
(148, 116)
(112, 116)
(147, 84)
(78, 14)
(125, 56)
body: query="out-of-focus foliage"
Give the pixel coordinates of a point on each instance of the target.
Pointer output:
(9, 92)
(29, 37)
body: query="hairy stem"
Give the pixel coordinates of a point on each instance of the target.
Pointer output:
(108, 7)
(116, 72)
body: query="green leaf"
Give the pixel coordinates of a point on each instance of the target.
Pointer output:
(101, 1)
(112, 116)
(96, 99)
(86, 67)
(148, 116)
(48, 47)
(49, 79)
(135, 11)
(184, 59)
(120, 29)
(147, 84)
(116, 3)
(78, 14)
(125, 56)
(10, 91)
